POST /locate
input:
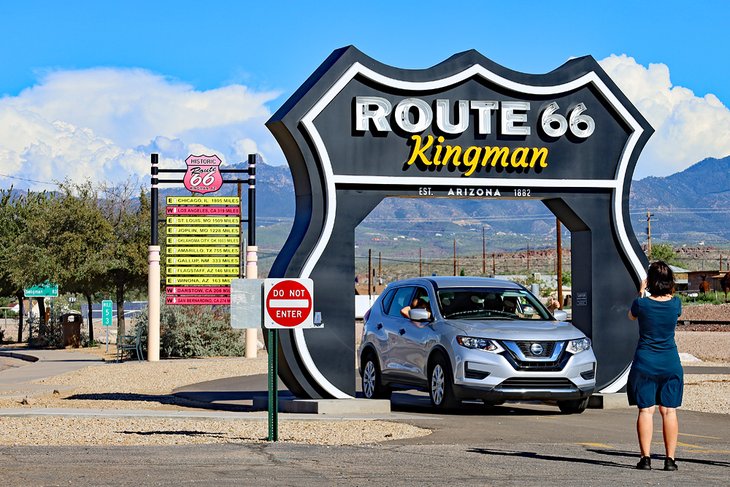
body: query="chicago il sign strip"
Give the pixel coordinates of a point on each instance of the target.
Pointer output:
(359, 131)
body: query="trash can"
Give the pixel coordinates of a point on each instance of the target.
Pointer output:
(71, 329)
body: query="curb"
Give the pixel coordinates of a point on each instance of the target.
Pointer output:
(21, 356)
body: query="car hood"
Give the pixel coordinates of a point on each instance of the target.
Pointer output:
(516, 329)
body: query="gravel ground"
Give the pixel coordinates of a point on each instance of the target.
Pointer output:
(134, 385)
(54, 430)
(706, 312)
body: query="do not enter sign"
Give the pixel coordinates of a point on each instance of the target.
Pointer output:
(288, 303)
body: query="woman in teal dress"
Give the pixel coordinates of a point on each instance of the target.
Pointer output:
(656, 377)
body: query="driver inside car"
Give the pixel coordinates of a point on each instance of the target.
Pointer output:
(416, 303)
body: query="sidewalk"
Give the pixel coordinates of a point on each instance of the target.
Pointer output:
(17, 383)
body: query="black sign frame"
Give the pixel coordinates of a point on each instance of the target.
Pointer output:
(316, 130)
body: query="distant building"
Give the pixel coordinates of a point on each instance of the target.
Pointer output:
(681, 278)
(712, 276)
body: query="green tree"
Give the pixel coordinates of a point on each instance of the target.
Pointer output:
(664, 252)
(11, 226)
(129, 218)
(20, 254)
(81, 242)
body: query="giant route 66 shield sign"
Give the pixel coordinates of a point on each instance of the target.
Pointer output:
(358, 131)
(203, 174)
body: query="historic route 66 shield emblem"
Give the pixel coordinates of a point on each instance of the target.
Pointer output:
(203, 174)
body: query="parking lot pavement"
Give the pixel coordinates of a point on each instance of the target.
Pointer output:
(490, 461)
(512, 444)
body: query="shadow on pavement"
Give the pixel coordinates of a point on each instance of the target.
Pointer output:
(542, 456)
(680, 459)
(419, 402)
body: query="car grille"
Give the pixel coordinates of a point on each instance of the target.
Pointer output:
(537, 383)
(547, 349)
(541, 365)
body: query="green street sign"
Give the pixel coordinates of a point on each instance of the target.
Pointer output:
(106, 312)
(45, 290)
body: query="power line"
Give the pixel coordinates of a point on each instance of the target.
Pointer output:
(28, 179)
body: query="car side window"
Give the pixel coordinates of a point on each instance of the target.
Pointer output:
(387, 300)
(401, 299)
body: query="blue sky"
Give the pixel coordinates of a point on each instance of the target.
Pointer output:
(66, 67)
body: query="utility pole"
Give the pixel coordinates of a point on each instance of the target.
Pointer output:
(370, 269)
(648, 233)
(494, 265)
(454, 256)
(380, 268)
(559, 262)
(484, 253)
(528, 257)
(420, 263)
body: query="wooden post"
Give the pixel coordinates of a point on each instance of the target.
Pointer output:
(370, 269)
(559, 262)
(484, 253)
(380, 267)
(648, 234)
(454, 256)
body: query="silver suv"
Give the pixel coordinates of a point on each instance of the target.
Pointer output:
(473, 338)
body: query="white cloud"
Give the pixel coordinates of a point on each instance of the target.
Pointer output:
(102, 123)
(687, 128)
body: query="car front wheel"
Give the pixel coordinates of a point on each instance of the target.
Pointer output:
(575, 406)
(372, 383)
(441, 384)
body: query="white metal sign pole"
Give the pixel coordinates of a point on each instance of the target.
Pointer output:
(153, 277)
(252, 272)
(252, 334)
(153, 329)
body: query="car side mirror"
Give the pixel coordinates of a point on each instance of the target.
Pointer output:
(419, 314)
(560, 315)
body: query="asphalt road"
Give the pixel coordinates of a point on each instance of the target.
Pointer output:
(527, 444)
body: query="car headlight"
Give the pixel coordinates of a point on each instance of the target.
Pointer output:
(479, 344)
(579, 345)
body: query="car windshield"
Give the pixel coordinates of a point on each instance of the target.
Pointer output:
(492, 303)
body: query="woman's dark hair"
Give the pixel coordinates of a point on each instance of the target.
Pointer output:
(660, 279)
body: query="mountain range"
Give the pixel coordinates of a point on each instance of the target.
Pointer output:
(690, 207)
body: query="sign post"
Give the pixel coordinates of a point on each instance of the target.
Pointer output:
(288, 305)
(201, 232)
(106, 318)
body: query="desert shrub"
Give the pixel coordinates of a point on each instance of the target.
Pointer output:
(52, 337)
(702, 298)
(194, 331)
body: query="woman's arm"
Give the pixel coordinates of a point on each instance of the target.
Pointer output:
(642, 293)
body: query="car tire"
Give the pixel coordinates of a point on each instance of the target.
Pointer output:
(575, 406)
(372, 381)
(441, 384)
